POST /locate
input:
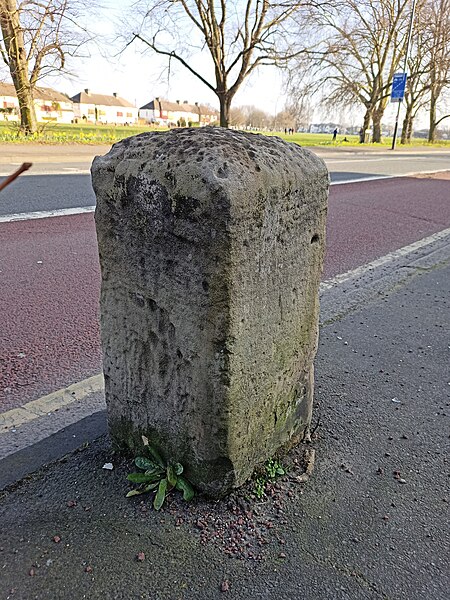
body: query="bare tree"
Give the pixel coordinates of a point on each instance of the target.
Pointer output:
(256, 118)
(362, 43)
(299, 107)
(415, 99)
(418, 68)
(250, 116)
(237, 116)
(439, 76)
(37, 37)
(238, 37)
(285, 119)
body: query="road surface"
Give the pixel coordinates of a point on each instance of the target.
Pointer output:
(49, 332)
(59, 179)
(49, 339)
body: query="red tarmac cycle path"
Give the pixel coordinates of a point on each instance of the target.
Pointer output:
(49, 274)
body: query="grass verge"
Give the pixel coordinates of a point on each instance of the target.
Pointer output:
(109, 134)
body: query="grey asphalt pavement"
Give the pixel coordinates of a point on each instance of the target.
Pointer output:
(47, 192)
(372, 164)
(59, 177)
(371, 523)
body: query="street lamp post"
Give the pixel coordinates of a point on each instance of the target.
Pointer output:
(408, 45)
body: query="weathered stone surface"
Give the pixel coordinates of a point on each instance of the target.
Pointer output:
(211, 246)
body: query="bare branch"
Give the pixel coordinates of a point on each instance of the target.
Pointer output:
(37, 36)
(442, 119)
(173, 54)
(254, 34)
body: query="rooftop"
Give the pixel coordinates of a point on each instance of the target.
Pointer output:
(40, 93)
(87, 97)
(166, 105)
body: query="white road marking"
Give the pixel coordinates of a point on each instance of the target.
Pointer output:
(43, 214)
(370, 159)
(384, 260)
(39, 170)
(398, 176)
(74, 171)
(361, 179)
(384, 158)
(45, 405)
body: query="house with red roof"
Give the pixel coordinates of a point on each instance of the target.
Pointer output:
(166, 113)
(101, 108)
(51, 106)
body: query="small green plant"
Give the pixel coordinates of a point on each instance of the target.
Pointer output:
(158, 477)
(272, 469)
(260, 487)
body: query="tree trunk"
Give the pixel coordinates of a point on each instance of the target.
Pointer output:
(28, 122)
(225, 104)
(366, 125)
(17, 62)
(432, 128)
(376, 119)
(407, 126)
(410, 130)
(403, 139)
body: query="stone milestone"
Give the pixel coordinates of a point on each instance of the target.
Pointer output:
(211, 246)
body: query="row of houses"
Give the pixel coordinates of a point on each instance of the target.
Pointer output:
(160, 111)
(87, 107)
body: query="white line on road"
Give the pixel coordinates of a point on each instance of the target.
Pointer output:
(362, 179)
(397, 176)
(41, 171)
(45, 405)
(373, 159)
(384, 260)
(74, 171)
(43, 214)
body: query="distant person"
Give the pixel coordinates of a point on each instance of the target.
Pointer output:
(345, 139)
(335, 132)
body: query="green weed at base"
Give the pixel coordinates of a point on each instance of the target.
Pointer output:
(272, 469)
(158, 477)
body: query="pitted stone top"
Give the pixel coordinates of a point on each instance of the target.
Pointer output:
(213, 155)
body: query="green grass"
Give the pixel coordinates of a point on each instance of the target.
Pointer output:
(317, 139)
(53, 133)
(326, 139)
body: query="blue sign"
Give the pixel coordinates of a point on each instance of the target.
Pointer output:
(398, 87)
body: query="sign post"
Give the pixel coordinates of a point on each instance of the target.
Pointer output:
(399, 80)
(397, 95)
(398, 87)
